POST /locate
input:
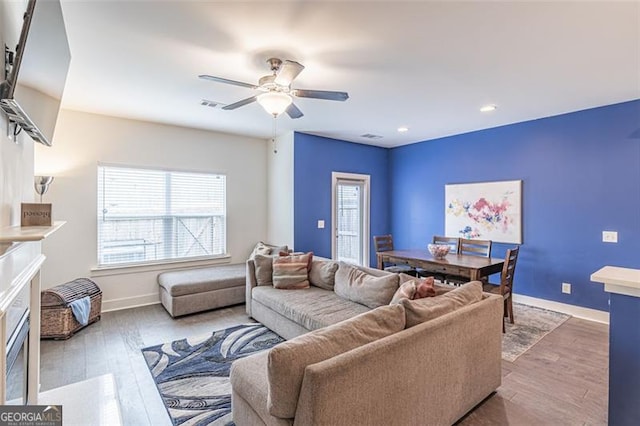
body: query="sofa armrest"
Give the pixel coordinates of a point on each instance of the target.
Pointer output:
(250, 284)
(432, 373)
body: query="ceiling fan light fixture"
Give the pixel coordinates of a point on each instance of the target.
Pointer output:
(275, 103)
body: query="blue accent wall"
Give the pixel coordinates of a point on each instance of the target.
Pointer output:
(314, 159)
(580, 173)
(624, 361)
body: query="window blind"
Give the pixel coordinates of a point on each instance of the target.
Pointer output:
(147, 215)
(349, 217)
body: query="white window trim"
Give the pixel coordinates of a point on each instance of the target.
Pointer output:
(366, 180)
(108, 270)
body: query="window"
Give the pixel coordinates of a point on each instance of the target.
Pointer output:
(147, 215)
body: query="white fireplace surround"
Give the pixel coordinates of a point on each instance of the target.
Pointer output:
(20, 261)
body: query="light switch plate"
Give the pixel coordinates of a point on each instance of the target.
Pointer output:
(321, 224)
(609, 236)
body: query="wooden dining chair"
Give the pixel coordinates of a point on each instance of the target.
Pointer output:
(453, 242)
(475, 247)
(505, 288)
(471, 248)
(384, 243)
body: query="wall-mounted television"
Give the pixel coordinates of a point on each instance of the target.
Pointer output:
(32, 92)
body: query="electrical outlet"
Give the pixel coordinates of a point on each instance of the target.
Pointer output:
(609, 236)
(566, 288)
(321, 224)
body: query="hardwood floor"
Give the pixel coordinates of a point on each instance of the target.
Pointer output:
(562, 380)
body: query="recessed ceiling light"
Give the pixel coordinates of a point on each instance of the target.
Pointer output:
(488, 108)
(403, 129)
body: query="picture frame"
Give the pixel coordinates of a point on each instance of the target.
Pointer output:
(484, 211)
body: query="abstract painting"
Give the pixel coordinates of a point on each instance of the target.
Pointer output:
(484, 211)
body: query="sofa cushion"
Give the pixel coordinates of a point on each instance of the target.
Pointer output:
(264, 269)
(355, 284)
(288, 360)
(292, 272)
(323, 274)
(406, 291)
(312, 307)
(375, 272)
(200, 280)
(421, 310)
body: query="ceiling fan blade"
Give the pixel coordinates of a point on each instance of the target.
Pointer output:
(288, 71)
(227, 81)
(321, 94)
(240, 103)
(293, 111)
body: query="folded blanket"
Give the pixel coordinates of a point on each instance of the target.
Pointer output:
(81, 309)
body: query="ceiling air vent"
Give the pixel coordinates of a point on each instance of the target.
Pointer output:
(212, 104)
(370, 136)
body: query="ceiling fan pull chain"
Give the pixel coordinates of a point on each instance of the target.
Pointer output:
(275, 147)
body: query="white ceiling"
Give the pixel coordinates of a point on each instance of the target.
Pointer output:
(425, 65)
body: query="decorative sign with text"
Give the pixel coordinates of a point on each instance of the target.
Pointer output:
(34, 214)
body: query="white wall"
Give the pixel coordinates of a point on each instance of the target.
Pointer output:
(83, 140)
(16, 160)
(16, 175)
(280, 180)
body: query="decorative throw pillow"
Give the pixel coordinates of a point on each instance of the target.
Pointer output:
(421, 310)
(267, 249)
(286, 253)
(264, 269)
(358, 286)
(406, 291)
(288, 360)
(425, 288)
(291, 272)
(260, 248)
(323, 274)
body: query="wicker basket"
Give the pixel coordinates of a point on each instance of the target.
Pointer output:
(57, 320)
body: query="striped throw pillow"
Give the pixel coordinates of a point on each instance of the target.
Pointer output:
(292, 272)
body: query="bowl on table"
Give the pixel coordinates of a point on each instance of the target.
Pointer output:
(439, 251)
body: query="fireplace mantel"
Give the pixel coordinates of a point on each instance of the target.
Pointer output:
(10, 235)
(20, 261)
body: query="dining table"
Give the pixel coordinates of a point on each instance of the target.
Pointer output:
(463, 265)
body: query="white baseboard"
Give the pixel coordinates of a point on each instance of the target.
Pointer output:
(130, 302)
(576, 311)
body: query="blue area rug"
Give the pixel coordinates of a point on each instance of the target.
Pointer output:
(192, 375)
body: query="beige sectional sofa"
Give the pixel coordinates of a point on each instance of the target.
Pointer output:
(348, 364)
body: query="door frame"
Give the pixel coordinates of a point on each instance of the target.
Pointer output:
(366, 183)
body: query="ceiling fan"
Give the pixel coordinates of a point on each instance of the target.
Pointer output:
(277, 96)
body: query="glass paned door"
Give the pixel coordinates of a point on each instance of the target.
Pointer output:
(349, 203)
(350, 226)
